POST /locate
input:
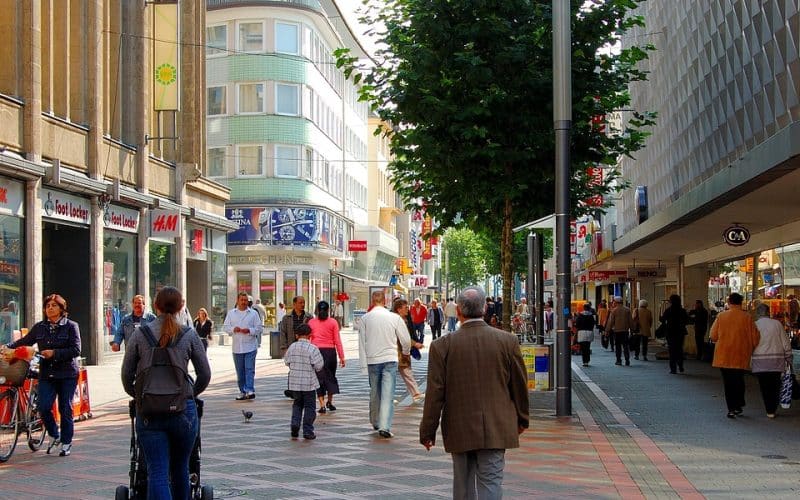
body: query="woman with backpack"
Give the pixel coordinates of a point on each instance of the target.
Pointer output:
(166, 435)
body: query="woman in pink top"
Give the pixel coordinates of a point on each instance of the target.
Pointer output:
(325, 335)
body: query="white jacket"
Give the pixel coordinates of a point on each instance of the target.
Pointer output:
(378, 334)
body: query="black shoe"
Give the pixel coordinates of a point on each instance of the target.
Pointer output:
(330, 406)
(618, 363)
(645, 358)
(385, 434)
(680, 369)
(54, 443)
(310, 436)
(636, 357)
(737, 411)
(250, 395)
(322, 410)
(289, 394)
(627, 362)
(295, 431)
(673, 372)
(731, 414)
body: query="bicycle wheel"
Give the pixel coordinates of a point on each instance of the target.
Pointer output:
(36, 430)
(9, 423)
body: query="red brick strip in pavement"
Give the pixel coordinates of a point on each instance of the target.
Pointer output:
(671, 473)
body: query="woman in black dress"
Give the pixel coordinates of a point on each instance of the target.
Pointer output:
(204, 326)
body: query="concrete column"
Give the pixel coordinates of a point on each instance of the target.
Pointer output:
(694, 285)
(34, 285)
(94, 351)
(31, 70)
(143, 258)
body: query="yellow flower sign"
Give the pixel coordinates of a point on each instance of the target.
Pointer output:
(166, 74)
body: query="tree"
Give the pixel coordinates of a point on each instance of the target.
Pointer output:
(468, 88)
(465, 258)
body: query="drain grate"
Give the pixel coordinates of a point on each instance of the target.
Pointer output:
(775, 457)
(228, 493)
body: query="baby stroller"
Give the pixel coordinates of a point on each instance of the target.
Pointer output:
(138, 471)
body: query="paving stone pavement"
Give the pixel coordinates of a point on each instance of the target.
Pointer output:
(599, 452)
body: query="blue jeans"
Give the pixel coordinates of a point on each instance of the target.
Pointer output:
(478, 474)
(420, 329)
(167, 444)
(451, 324)
(245, 364)
(305, 406)
(382, 379)
(64, 388)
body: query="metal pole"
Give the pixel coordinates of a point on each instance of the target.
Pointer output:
(562, 121)
(446, 273)
(538, 292)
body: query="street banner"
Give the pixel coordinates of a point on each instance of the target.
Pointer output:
(166, 83)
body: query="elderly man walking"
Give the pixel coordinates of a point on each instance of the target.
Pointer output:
(736, 336)
(477, 425)
(378, 334)
(619, 324)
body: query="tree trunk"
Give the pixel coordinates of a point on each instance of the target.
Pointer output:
(507, 264)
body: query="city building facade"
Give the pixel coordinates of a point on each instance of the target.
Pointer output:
(101, 163)
(288, 136)
(712, 201)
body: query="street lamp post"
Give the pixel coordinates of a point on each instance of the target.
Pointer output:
(562, 124)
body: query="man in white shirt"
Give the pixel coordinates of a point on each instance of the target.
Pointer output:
(378, 334)
(244, 326)
(450, 314)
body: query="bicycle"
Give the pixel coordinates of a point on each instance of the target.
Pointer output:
(522, 326)
(19, 411)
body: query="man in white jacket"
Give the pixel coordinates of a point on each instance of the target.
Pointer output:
(378, 334)
(244, 326)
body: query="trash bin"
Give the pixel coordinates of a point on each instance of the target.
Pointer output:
(275, 344)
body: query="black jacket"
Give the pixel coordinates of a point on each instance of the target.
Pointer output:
(203, 330)
(676, 321)
(64, 338)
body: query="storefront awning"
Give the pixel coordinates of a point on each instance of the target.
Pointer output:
(355, 279)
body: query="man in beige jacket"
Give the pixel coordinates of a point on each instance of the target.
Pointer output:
(477, 387)
(619, 324)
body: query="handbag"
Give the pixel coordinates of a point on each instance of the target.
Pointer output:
(786, 387)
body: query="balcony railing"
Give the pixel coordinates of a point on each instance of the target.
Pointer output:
(225, 4)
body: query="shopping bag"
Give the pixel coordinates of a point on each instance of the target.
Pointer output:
(786, 388)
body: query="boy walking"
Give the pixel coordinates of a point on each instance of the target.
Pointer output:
(304, 360)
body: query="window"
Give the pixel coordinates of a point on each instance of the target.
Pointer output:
(216, 101)
(216, 163)
(307, 165)
(251, 37)
(287, 161)
(249, 161)
(287, 99)
(250, 98)
(287, 38)
(216, 40)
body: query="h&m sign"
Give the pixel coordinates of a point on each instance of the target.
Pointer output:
(165, 223)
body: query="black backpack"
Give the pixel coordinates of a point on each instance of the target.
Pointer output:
(162, 385)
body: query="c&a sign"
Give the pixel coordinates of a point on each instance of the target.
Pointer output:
(165, 223)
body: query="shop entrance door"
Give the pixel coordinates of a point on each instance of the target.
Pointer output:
(197, 281)
(65, 255)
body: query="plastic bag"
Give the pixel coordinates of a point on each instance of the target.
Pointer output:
(786, 388)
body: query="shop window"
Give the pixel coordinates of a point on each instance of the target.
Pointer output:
(289, 287)
(244, 282)
(162, 266)
(219, 287)
(11, 275)
(119, 280)
(266, 292)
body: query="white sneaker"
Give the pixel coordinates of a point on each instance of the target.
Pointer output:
(66, 449)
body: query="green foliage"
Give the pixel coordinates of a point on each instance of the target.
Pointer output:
(467, 87)
(465, 258)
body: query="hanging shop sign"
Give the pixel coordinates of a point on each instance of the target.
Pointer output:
(644, 273)
(357, 245)
(418, 281)
(165, 223)
(65, 207)
(121, 219)
(11, 197)
(736, 235)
